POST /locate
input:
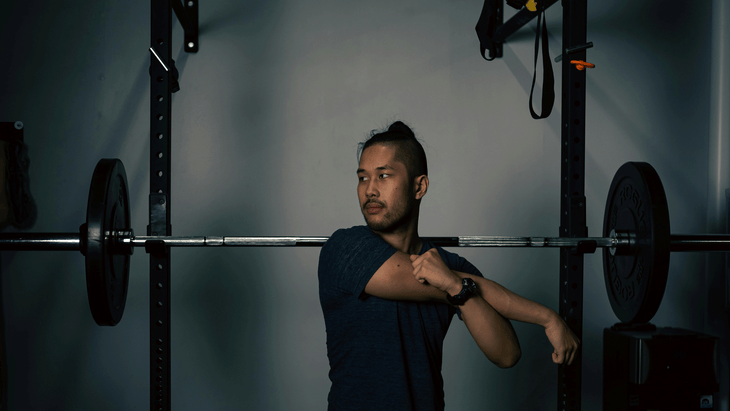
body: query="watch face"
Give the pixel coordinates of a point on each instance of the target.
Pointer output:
(469, 289)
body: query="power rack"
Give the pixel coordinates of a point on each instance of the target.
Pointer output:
(163, 80)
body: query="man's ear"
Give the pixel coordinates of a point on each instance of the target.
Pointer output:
(421, 186)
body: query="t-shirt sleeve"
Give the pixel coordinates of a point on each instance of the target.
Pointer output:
(467, 267)
(458, 263)
(349, 259)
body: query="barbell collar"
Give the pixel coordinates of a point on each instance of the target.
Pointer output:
(625, 243)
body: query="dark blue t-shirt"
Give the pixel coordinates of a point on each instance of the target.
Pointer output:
(383, 354)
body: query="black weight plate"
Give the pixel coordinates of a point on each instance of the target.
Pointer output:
(107, 270)
(635, 282)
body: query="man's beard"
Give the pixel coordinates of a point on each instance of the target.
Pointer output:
(393, 219)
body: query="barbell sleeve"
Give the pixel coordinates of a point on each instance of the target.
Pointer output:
(699, 242)
(40, 241)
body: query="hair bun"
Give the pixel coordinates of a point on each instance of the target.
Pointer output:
(399, 127)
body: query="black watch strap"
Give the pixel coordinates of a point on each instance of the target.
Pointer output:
(469, 288)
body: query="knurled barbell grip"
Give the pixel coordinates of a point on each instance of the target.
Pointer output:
(229, 241)
(495, 241)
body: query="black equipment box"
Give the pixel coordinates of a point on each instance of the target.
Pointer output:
(647, 368)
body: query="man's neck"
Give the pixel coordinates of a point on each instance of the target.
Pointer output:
(405, 240)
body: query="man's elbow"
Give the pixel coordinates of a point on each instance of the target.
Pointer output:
(509, 358)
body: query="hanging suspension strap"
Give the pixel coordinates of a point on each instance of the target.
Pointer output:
(486, 26)
(548, 79)
(491, 35)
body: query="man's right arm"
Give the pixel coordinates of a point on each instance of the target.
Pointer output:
(394, 281)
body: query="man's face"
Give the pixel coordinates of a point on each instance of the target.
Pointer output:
(384, 190)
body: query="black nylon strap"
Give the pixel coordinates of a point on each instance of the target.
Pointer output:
(548, 79)
(485, 30)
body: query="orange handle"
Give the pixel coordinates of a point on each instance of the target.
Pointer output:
(582, 65)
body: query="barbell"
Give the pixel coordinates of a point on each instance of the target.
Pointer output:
(636, 243)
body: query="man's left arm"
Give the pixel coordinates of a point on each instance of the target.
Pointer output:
(515, 307)
(430, 269)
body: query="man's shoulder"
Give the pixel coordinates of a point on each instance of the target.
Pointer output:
(350, 257)
(354, 231)
(347, 236)
(351, 239)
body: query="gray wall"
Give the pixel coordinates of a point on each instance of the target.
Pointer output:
(264, 138)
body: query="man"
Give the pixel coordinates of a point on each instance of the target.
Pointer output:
(388, 296)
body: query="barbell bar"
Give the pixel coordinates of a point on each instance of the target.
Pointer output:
(618, 243)
(636, 242)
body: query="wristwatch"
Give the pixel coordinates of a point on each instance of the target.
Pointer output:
(469, 288)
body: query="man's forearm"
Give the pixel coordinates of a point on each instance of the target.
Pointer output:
(511, 305)
(492, 332)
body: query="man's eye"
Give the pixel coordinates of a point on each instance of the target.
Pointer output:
(384, 175)
(362, 178)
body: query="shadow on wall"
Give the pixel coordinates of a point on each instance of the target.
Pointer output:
(226, 308)
(641, 38)
(224, 317)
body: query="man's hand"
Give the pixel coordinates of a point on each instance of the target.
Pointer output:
(563, 340)
(430, 269)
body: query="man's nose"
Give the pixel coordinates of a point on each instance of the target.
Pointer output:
(371, 190)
